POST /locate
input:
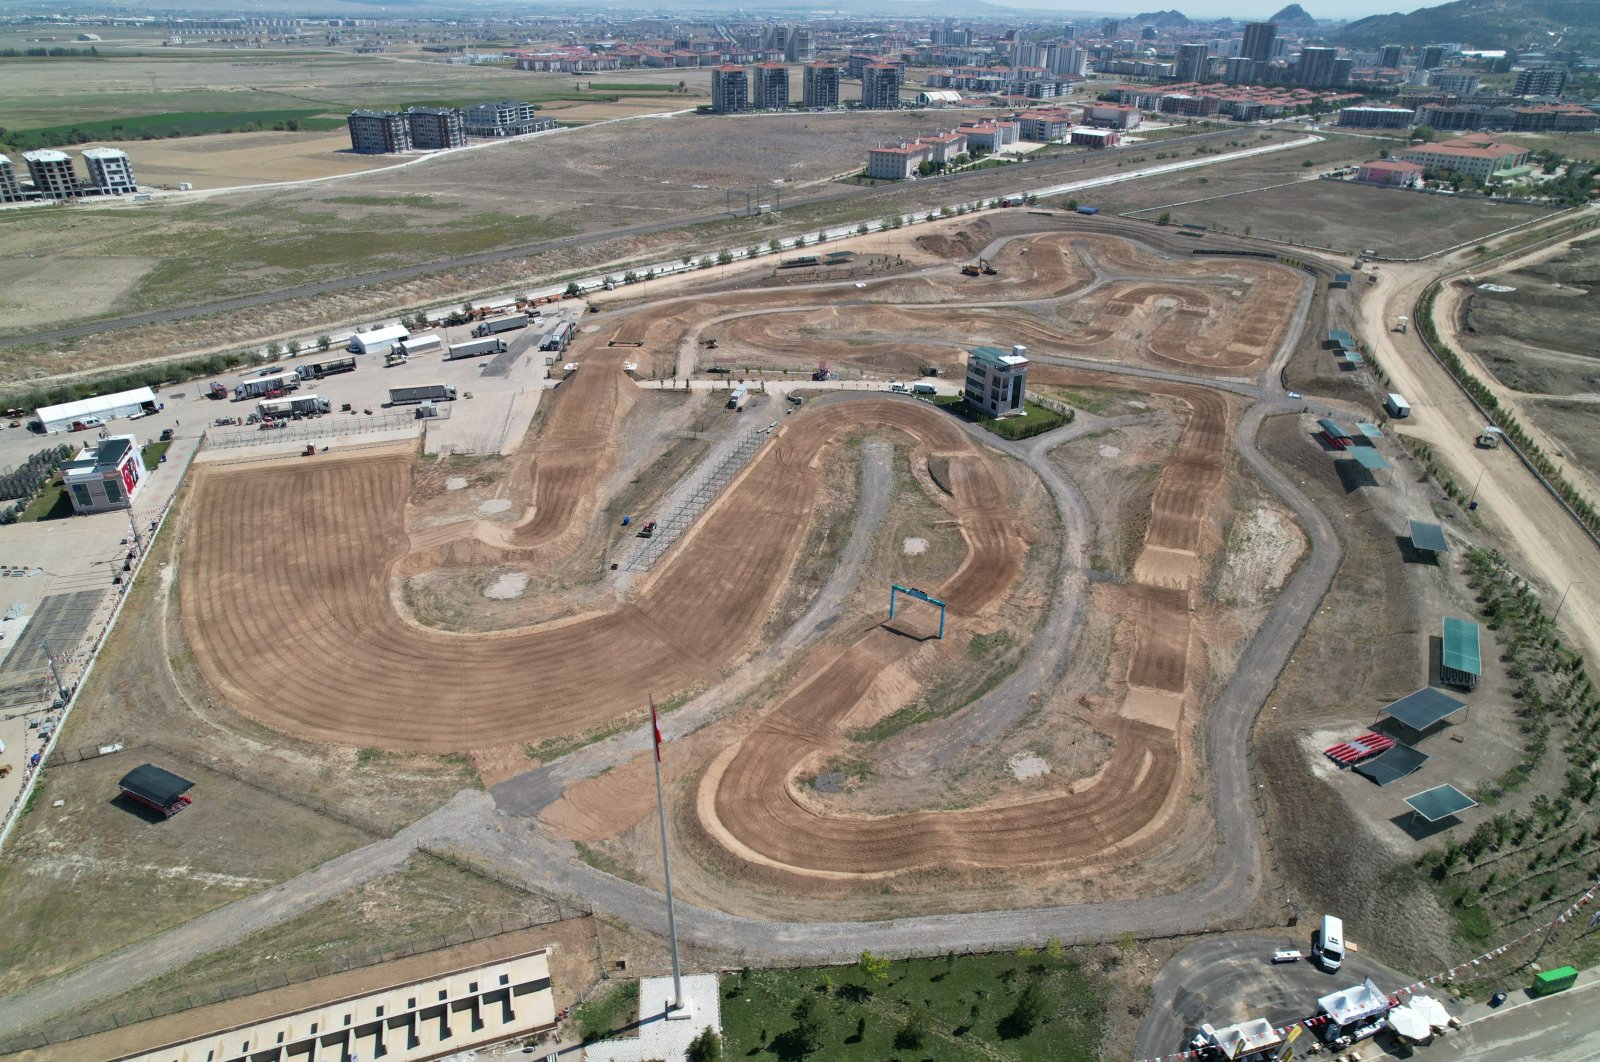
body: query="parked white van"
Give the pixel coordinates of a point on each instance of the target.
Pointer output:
(1327, 944)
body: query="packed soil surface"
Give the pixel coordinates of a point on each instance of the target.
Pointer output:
(1539, 337)
(227, 160)
(380, 679)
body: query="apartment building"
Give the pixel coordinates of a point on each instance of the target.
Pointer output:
(1479, 157)
(1540, 82)
(820, 87)
(52, 173)
(505, 118)
(880, 87)
(436, 128)
(110, 172)
(10, 188)
(379, 132)
(1377, 117)
(730, 90)
(769, 87)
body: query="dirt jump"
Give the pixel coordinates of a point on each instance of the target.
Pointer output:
(288, 579)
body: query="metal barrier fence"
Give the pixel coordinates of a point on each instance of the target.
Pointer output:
(707, 490)
(324, 427)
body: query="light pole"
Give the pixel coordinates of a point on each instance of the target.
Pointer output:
(1472, 502)
(1570, 584)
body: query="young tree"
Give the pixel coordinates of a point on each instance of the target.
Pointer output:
(324, 342)
(774, 246)
(808, 1024)
(273, 350)
(873, 967)
(862, 229)
(1165, 218)
(293, 347)
(707, 1047)
(573, 290)
(1029, 1013)
(911, 1035)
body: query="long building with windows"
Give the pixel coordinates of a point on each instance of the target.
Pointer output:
(769, 87)
(110, 172)
(505, 118)
(379, 132)
(436, 128)
(10, 187)
(52, 173)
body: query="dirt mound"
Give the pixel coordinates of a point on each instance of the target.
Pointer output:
(963, 244)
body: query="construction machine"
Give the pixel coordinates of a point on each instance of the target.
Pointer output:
(982, 267)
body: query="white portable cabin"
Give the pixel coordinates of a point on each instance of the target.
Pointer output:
(379, 340)
(1397, 406)
(421, 345)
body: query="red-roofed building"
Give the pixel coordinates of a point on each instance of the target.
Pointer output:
(1390, 172)
(1477, 156)
(896, 163)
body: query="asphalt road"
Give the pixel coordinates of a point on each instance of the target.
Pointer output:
(1224, 980)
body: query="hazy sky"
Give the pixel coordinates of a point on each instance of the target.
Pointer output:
(1243, 9)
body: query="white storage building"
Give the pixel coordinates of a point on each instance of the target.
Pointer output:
(101, 408)
(379, 340)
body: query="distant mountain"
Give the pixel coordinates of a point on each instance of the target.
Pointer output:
(1293, 17)
(1162, 20)
(1519, 25)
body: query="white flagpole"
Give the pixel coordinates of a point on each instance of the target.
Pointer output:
(666, 863)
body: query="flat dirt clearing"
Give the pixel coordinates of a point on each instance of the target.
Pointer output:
(229, 159)
(1351, 217)
(32, 289)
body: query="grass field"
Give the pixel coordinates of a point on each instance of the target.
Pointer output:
(949, 1008)
(184, 123)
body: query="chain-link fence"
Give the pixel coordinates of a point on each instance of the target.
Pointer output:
(316, 429)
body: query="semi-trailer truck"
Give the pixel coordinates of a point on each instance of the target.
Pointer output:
(317, 370)
(474, 348)
(399, 396)
(505, 324)
(558, 337)
(304, 405)
(257, 386)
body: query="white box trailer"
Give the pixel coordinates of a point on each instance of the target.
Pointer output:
(379, 340)
(419, 345)
(474, 348)
(1397, 406)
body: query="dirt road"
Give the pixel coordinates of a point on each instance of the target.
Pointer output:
(1553, 550)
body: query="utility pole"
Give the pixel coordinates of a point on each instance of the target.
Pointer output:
(666, 864)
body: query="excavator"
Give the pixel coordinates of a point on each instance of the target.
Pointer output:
(982, 267)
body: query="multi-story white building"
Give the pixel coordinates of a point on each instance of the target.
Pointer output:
(1479, 157)
(505, 118)
(996, 380)
(942, 147)
(110, 172)
(52, 173)
(896, 162)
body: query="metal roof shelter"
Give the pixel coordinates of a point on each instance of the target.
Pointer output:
(1371, 431)
(1428, 537)
(1423, 709)
(1342, 280)
(1394, 764)
(1369, 459)
(157, 788)
(1440, 802)
(1333, 433)
(1340, 338)
(1352, 357)
(1460, 664)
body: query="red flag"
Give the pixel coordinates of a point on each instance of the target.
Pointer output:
(655, 727)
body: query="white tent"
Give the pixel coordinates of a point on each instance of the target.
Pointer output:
(1349, 1005)
(1246, 1038)
(1432, 1010)
(1408, 1023)
(101, 407)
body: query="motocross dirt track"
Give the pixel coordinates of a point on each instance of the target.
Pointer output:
(302, 633)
